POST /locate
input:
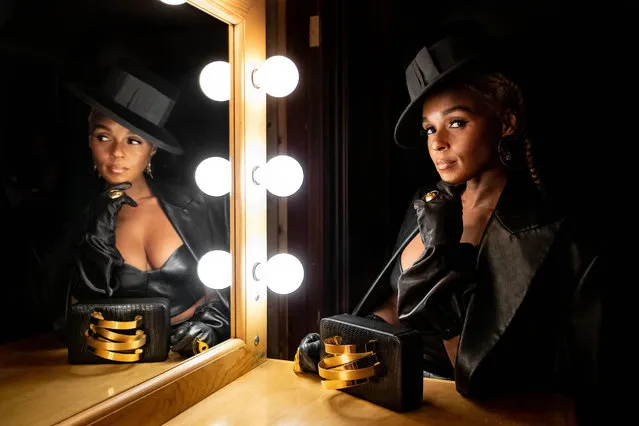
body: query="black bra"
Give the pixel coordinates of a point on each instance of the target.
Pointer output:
(175, 280)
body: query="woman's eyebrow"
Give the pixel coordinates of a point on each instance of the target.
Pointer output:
(100, 126)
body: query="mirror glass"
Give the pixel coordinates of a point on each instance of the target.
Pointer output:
(47, 166)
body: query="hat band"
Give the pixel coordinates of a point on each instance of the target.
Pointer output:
(142, 99)
(429, 64)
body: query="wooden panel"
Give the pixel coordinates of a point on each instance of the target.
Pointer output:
(163, 397)
(279, 396)
(39, 387)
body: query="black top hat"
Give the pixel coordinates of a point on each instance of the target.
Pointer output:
(459, 45)
(137, 99)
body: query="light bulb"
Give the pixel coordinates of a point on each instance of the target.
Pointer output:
(213, 176)
(278, 76)
(215, 81)
(173, 2)
(282, 175)
(283, 273)
(215, 269)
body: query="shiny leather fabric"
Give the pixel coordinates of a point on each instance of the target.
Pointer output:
(176, 281)
(202, 222)
(535, 319)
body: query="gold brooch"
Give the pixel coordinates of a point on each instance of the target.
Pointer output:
(429, 196)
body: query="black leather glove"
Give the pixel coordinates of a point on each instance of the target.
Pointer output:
(433, 294)
(210, 324)
(97, 256)
(440, 218)
(192, 337)
(308, 353)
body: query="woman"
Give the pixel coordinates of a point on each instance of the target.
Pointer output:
(143, 238)
(505, 290)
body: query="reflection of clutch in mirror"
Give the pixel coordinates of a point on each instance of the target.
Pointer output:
(118, 330)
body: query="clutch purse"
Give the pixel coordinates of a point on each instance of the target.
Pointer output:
(372, 360)
(118, 330)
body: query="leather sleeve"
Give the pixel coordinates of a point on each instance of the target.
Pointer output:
(588, 339)
(95, 265)
(434, 293)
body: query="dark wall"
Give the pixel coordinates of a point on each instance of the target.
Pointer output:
(46, 164)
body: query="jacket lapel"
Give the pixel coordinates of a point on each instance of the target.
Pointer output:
(515, 244)
(182, 209)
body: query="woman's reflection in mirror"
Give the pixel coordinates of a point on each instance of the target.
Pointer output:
(505, 289)
(143, 237)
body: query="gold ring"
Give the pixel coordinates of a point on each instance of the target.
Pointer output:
(430, 195)
(115, 193)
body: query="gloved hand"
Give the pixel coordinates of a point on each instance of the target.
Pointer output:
(217, 315)
(97, 256)
(192, 337)
(210, 324)
(433, 294)
(104, 211)
(440, 218)
(308, 353)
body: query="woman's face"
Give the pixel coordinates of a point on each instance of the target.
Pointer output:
(462, 133)
(118, 154)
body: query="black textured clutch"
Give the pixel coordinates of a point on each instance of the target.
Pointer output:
(118, 330)
(397, 382)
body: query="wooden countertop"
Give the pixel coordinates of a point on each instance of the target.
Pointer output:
(272, 394)
(39, 387)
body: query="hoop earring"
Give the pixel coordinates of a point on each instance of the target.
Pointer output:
(148, 170)
(505, 149)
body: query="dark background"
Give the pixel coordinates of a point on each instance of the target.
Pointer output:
(47, 170)
(575, 63)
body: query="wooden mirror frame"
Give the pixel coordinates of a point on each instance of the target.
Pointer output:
(164, 396)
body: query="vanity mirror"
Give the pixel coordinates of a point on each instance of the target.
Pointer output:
(39, 45)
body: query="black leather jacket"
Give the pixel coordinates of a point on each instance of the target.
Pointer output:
(536, 318)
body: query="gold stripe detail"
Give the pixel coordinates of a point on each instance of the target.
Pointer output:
(333, 345)
(346, 366)
(98, 320)
(115, 346)
(116, 356)
(94, 341)
(116, 337)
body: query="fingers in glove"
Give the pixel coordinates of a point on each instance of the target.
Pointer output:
(185, 334)
(309, 352)
(118, 196)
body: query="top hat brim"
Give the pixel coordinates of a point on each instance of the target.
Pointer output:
(149, 131)
(409, 124)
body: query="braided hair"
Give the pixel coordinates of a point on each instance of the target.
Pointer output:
(498, 89)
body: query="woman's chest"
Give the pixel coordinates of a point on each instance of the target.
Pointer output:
(145, 237)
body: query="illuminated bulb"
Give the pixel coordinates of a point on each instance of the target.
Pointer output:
(282, 273)
(215, 269)
(282, 175)
(278, 76)
(215, 81)
(213, 176)
(173, 2)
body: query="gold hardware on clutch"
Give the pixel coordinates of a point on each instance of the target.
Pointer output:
(346, 366)
(115, 346)
(98, 320)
